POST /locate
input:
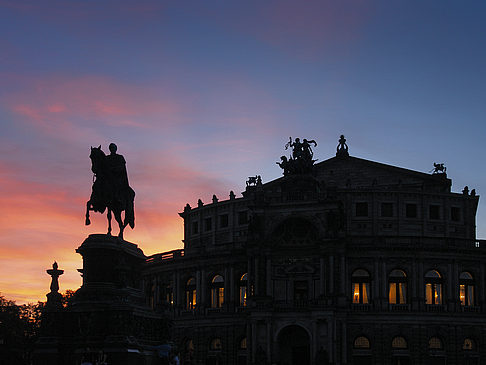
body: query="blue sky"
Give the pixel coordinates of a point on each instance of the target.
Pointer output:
(200, 95)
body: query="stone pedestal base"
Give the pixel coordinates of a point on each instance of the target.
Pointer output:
(108, 319)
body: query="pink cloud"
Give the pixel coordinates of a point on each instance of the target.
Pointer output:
(56, 104)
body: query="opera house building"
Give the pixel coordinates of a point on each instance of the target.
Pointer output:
(345, 261)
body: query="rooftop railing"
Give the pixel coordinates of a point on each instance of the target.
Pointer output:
(165, 256)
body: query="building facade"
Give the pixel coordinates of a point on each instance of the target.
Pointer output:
(347, 261)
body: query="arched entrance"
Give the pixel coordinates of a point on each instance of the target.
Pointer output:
(293, 346)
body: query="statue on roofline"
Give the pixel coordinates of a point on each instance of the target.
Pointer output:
(301, 160)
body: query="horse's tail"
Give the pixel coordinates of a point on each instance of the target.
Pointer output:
(130, 209)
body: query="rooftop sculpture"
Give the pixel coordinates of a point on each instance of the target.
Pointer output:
(439, 168)
(110, 188)
(301, 160)
(342, 148)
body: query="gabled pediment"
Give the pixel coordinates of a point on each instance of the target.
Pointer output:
(353, 172)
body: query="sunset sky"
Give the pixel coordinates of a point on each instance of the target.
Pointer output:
(199, 95)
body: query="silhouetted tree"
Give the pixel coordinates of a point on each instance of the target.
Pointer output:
(67, 296)
(19, 328)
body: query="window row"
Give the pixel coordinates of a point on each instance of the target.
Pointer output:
(400, 343)
(398, 285)
(387, 210)
(223, 222)
(217, 295)
(216, 345)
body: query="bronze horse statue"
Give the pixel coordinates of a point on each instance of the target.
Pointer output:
(110, 189)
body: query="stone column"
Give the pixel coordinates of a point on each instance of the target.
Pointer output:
(384, 285)
(198, 288)
(250, 278)
(254, 344)
(342, 272)
(450, 289)
(232, 286)
(204, 286)
(314, 345)
(375, 294)
(322, 277)
(226, 286)
(178, 289)
(420, 284)
(269, 277)
(331, 274)
(174, 289)
(478, 283)
(344, 342)
(269, 341)
(256, 278)
(414, 286)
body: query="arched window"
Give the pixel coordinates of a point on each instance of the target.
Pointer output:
(468, 344)
(217, 291)
(435, 343)
(399, 343)
(215, 344)
(433, 287)
(242, 345)
(169, 294)
(361, 286)
(361, 342)
(243, 290)
(397, 283)
(466, 289)
(190, 346)
(190, 294)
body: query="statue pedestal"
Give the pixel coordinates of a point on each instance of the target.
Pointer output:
(111, 270)
(107, 319)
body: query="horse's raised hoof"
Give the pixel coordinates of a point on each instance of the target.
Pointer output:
(87, 222)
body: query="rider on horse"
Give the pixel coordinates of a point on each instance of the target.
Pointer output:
(111, 189)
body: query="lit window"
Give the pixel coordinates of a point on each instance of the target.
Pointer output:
(468, 344)
(397, 293)
(243, 290)
(190, 346)
(191, 294)
(215, 344)
(243, 344)
(169, 294)
(435, 343)
(217, 292)
(399, 343)
(466, 289)
(361, 287)
(361, 342)
(433, 287)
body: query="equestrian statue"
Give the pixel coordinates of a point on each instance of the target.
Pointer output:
(110, 188)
